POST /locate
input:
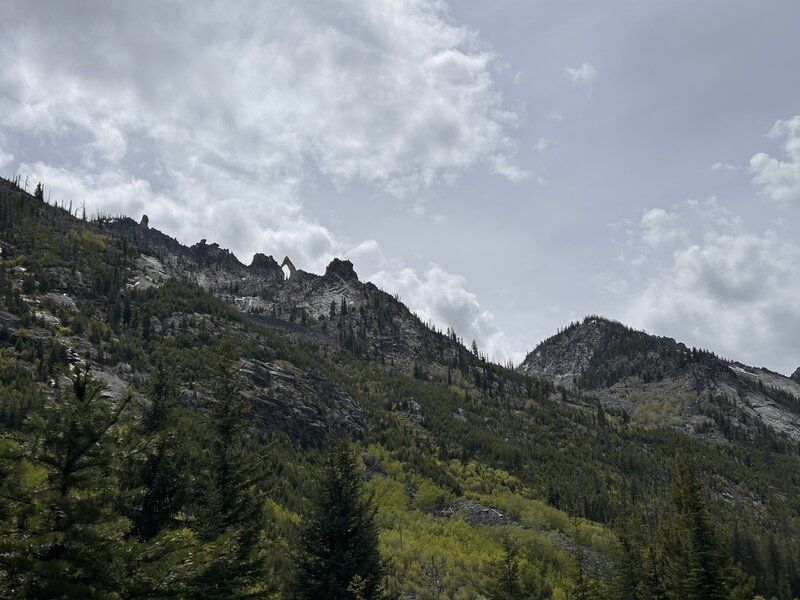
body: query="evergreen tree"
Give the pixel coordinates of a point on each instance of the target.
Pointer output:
(39, 192)
(229, 509)
(505, 578)
(163, 474)
(691, 560)
(63, 536)
(339, 557)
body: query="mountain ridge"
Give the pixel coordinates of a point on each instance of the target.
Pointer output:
(634, 371)
(458, 452)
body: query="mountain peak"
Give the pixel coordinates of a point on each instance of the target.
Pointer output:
(570, 351)
(208, 254)
(267, 265)
(796, 375)
(341, 268)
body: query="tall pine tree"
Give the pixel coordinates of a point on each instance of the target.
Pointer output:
(229, 507)
(691, 558)
(339, 557)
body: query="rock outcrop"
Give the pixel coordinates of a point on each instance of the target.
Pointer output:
(341, 268)
(288, 264)
(267, 266)
(658, 380)
(212, 254)
(796, 375)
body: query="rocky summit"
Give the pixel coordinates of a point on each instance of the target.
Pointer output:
(658, 380)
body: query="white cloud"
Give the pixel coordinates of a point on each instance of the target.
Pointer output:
(735, 289)
(777, 179)
(725, 167)
(216, 125)
(659, 228)
(583, 75)
(502, 165)
(442, 298)
(279, 226)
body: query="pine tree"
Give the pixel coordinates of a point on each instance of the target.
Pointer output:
(691, 559)
(64, 531)
(229, 511)
(506, 583)
(339, 557)
(163, 474)
(63, 537)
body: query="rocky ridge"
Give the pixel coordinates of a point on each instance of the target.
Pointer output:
(656, 379)
(333, 308)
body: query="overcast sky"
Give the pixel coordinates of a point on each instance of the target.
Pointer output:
(506, 166)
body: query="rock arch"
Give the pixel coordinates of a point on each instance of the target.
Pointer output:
(288, 263)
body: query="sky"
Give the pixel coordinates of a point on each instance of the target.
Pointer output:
(506, 167)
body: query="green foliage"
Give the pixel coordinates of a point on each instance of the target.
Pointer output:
(506, 582)
(178, 498)
(339, 557)
(692, 560)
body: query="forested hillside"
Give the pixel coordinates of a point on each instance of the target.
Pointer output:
(177, 425)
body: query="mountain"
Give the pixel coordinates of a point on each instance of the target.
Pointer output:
(331, 309)
(658, 380)
(225, 383)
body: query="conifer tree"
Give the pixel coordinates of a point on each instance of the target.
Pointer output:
(229, 507)
(339, 557)
(63, 534)
(691, 560)
(64, 531)
(506, 583)
(163, 474)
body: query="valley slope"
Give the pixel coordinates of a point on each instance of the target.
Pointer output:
(569, 458)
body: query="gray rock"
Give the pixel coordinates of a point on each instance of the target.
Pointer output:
(341, 268)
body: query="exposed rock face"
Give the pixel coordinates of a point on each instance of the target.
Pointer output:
(569, 352)
(658, 380)
(796, 375)
(268, 266)
(212, 254)
(341, 268)
(288, 263)
(375, 324)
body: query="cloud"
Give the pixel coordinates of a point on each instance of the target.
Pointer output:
(278, 227)
(736, 289)
(659, 228)
(6, 158)
(724, 167)
(583, 75)
(442, 298)
(216, 119)
(777, 179)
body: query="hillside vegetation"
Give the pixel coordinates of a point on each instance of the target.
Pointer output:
(172, 422)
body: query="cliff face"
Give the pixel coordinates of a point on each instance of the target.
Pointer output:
(658, 380)
(331, 309)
